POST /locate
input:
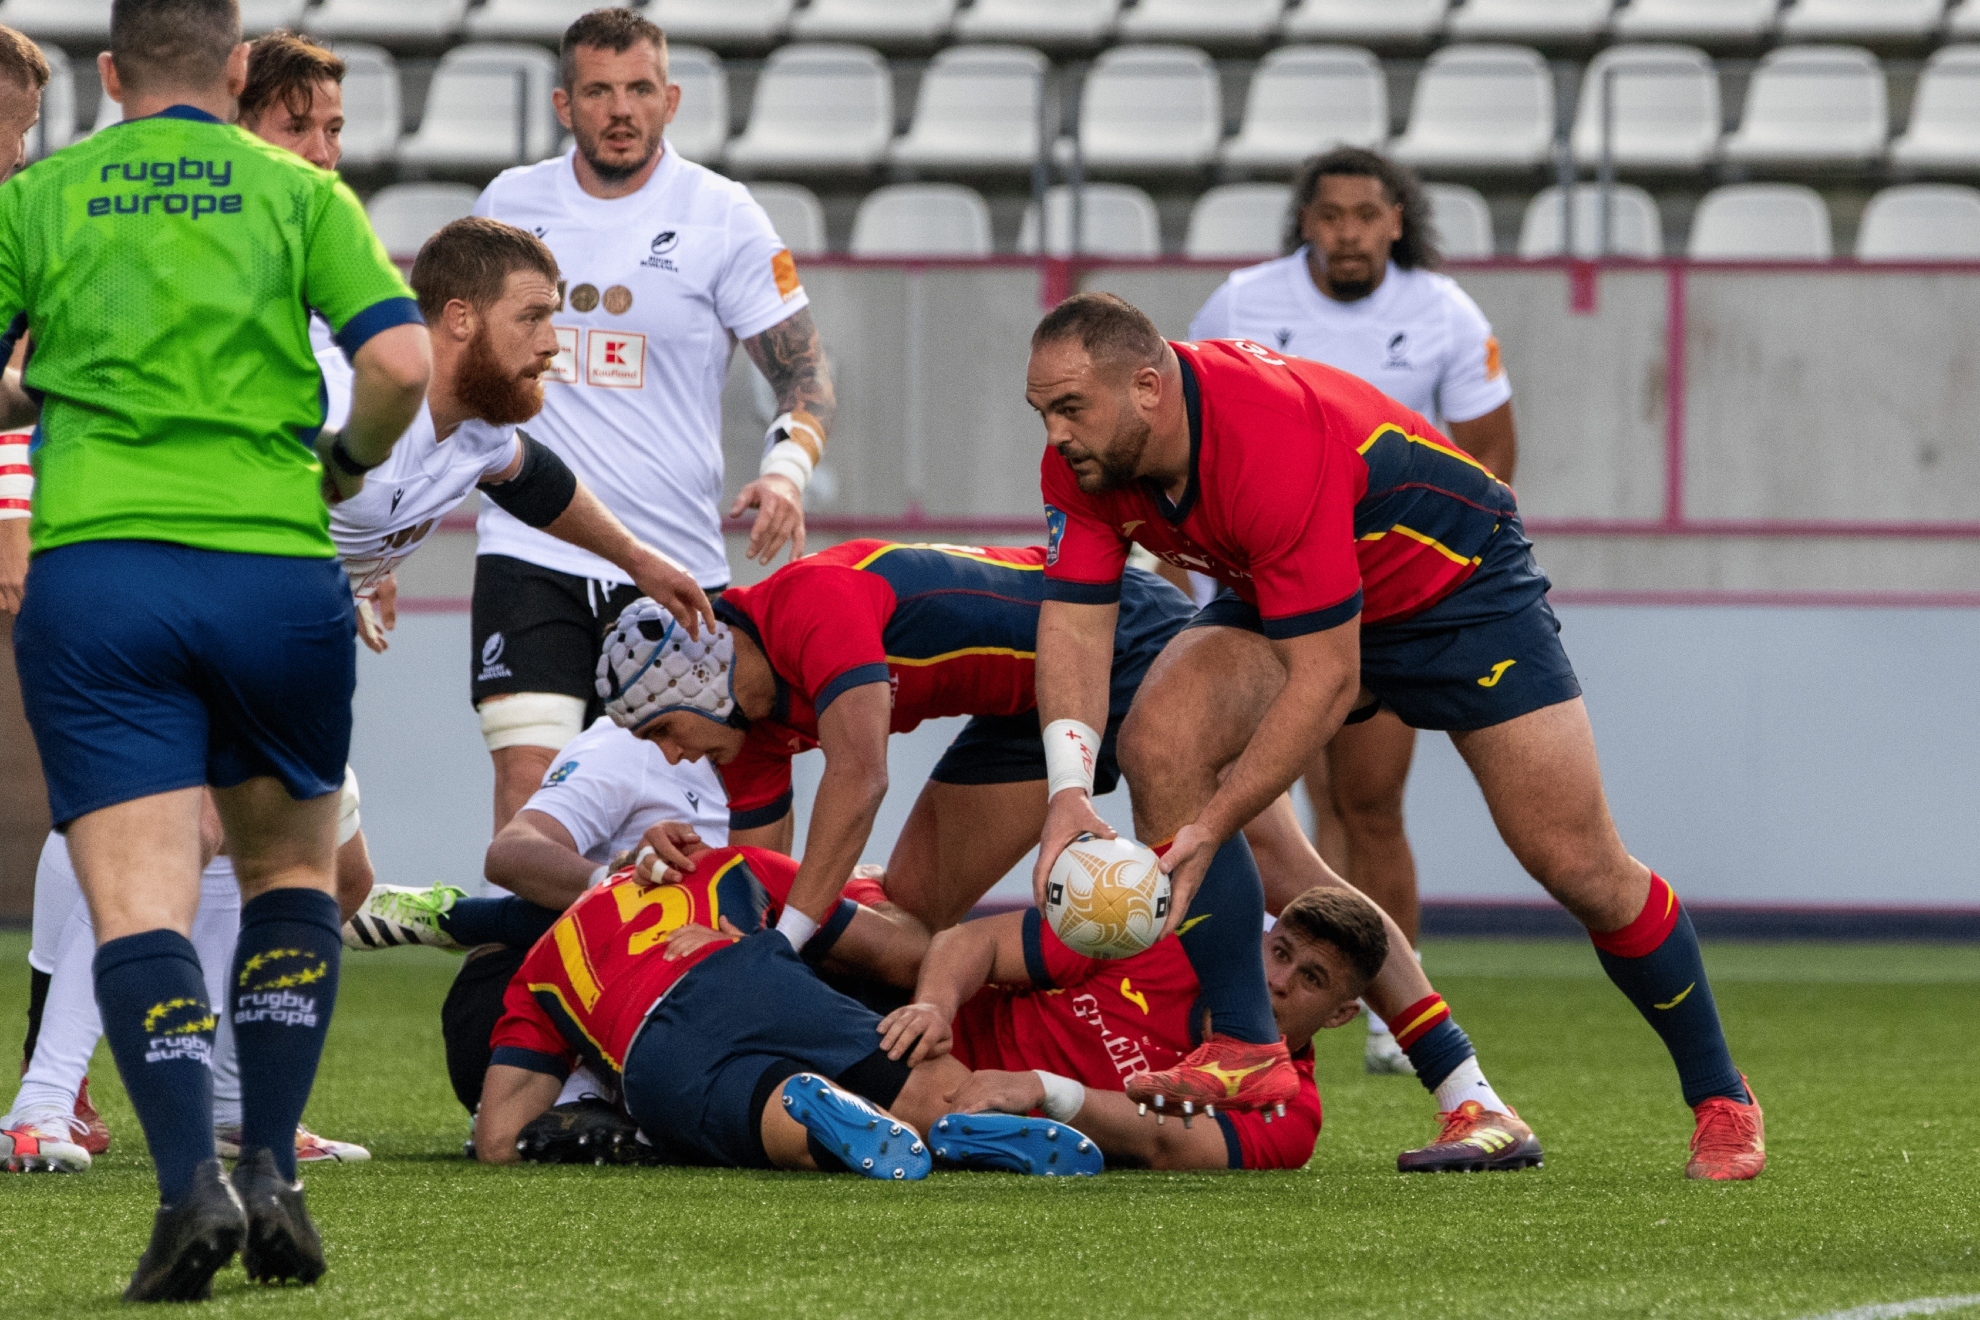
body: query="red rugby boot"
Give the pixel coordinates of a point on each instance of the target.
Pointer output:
(95, 1134)
(1221, 1071)
(1730, 1142)
(1475, 1140)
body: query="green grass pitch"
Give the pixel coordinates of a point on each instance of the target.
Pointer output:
(1867, 1059)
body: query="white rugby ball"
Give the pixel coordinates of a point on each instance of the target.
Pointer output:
(1106, 898)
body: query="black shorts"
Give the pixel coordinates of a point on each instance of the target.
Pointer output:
(538, 630)
(1487, 653)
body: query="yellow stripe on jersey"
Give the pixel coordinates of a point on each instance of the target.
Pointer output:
(557, 992)
(959, 551)
(1441, 446)
(577, 964)
(918, 662)
(1405, 1028)
(1431, 541)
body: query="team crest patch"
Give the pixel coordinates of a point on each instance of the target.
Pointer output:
(560, 774)
(1055, 528)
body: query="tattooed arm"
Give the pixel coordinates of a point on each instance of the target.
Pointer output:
(790, 358)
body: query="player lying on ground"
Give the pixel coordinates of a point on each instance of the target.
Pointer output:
(726, 1048)
(1364, 560)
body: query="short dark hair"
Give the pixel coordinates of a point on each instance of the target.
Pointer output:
(1344, 919)
(285, 67)
(22, 60)
(615, 30)
(472, 259)
(1106, 326)
(1417, 248)
(173, 43)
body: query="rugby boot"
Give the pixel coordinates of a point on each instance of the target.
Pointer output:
(859, 1136)
(393, 915)
(310, 1148)
(95, 1137)
(191, 1241)
(1012, 1143)
(42, 1143)
(1221, 1071)
(1730, 1142)
(282, 1244)
(584, 1131)
(1381, 1056)
(1475, 1139)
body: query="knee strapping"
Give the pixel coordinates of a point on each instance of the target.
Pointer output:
(531, 719)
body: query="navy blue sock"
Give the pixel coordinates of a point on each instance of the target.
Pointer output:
(1221, 937)
(513, 921)
(152, 997)
(1432, 1039)
(1655, 961)
(283, 987)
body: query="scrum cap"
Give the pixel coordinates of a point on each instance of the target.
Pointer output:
(650, 666)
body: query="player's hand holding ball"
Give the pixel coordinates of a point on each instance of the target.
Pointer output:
(1107, 898)
(1186, 863)
(1070, 816)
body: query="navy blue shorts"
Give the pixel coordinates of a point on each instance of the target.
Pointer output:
(1010, 749)
(753, 1013)
(1487, 653)
(147, 667)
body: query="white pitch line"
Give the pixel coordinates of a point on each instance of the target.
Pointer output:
(1894, 1310)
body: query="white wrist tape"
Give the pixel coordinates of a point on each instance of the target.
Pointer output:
(1071, 749)
(598, 876)
(1063, 1096)
(792, 447)
(796, 927)
(16, 476)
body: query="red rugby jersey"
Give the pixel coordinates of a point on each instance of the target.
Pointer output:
(1100, 1023)
(587, 985)
(1311, 494)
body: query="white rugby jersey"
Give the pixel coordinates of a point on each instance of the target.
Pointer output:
(657, 287)
(405, 497)
(608, 788)
(1418, 338)
(337, 374)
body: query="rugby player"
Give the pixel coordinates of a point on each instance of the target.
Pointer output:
(667, 266)
(1359, 552)
(23, 75)
(1358, 290)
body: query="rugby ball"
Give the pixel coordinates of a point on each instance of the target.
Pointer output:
(1106, 898)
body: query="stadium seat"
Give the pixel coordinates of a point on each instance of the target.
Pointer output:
(1480, 107)
(1304, 99)
(1377, 21)
(1462, 220)
(373, 117)
(1964, 19)
(1116, 220)
(525, 20)
(1813, 104)
(1237, 220)
(876, 22)
(1761, 222)
(1921, 222)
(700, 129)
(1665, 103)
(1861, 20)
(795, 214)
(1206, 22)
(922, 220)
(1530, 20)
(753, 23)
(405, 215)
(489, 105)
(1054, 23)
(1945, 114)
(1150, 108)
(59, 20)
(57, 127)
(388, 20)
(262, 16)
(819, 106)
(1707, 21)
(1636, 229)
(977, 110)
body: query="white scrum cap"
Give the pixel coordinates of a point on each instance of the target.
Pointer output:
(650, 666)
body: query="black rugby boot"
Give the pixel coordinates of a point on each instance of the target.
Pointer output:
(282, 1244)
(190, 1241)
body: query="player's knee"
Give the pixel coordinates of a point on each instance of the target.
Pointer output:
(1369, 810)
(530, 719)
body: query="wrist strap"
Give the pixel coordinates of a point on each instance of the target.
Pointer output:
(796, 927)
(1063, 1096)
(1071, 749)
(340, 454)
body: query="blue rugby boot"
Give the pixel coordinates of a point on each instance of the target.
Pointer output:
(859, 1136)
(1014, 1143)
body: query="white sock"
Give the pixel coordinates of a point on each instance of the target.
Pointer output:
(70, 1026)
(1467, 1082)
(216, 929)
(581, 1084)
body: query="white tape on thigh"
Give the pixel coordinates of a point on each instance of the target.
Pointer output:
(348, 823)
(531, 719)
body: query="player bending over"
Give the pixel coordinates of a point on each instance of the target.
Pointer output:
(1364, 561)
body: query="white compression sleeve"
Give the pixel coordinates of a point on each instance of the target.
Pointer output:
(70, 1026)
(216, 929)
(57, 893)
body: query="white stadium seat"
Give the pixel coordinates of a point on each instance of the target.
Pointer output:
(489, 105)
(1530, 20)
(1237, 220)
(1665, 106)
(1209, 22)
(1150, 108)
(57, 127)
(1761, 222)
(405, 215)
(59, 20)
(700, 129)
(877, 22)
(1945, 114)
(1116, 220)
(1964, 19)
(373, 116)
(1707, 21)
(1037, 22)
(1636, 228)
(1819, 104)
(1462, 220)
(1480, 107)
(1378, 21)
(261, 16)
(819, 106)
(1921, 222)
(1305, 99)
(922, 220)
(525, 20)
(1860, 20)
(795, 214)
(977, 110)
(755, 23)
(388, 20)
